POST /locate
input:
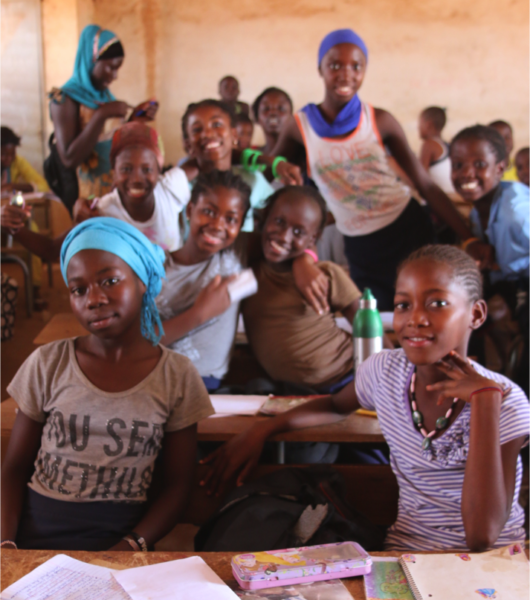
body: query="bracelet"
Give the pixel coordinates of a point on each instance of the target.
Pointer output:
(249, 160)
(11, 542)
(486, 389)
(142, 544)
(275, 163)
(469, 241)
(132, 543)
(312, 254)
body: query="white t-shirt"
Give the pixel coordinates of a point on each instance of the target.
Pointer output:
(172, 194)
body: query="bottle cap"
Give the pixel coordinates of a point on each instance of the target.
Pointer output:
(367, 301)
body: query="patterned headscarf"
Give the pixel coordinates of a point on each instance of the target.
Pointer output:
(136, 134)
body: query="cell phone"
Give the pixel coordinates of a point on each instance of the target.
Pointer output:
(18, 200)
(142, 112)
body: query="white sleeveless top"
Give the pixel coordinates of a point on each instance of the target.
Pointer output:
(440, 171)
(353, 174)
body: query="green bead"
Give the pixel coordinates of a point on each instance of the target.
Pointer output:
(441, 422)
(417, 417)
(426, 444)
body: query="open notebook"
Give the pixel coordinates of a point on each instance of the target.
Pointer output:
(501, 574)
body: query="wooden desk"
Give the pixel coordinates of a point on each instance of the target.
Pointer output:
(17, 563)
(354, 429)
(59, 327)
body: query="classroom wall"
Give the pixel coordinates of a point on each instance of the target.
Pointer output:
(469, 57)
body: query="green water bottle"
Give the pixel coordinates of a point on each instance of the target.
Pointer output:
(367, 329)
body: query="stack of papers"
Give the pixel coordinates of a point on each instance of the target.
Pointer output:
(226, 405)
(64, 578)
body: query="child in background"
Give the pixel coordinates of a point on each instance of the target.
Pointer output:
(245, 131)
(229, 92)
(522, 164)
(454, 428)
(434, 153)
(209, 132)
(96, 411)
(200, 321)
(17, 173)
(500, 215)
(272, 109)
(506, 131)
(142, 197)
(292, 342)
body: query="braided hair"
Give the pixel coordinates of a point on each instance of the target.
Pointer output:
(191, 108)
(486, 133)
(206, 182)
(465, 269)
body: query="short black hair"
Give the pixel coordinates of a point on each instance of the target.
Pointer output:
(465, 269)
(305, 190)
(8, 136)
(486, 133)
(243, 118)
(226, 108)
(500, 123)
(436, 115)
(206, 182)
(257, 101)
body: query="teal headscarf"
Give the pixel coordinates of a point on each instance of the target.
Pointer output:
(93, 42)
(125, 241)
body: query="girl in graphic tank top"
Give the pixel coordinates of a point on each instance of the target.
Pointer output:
(346, 143)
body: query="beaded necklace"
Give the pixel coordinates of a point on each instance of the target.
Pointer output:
(417, 417)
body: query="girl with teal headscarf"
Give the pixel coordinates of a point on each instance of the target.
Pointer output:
(85, 113)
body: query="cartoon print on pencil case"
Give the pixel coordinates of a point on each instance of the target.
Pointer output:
(465, 557)
(487, 592)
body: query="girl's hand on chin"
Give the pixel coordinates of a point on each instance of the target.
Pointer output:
(463, 380)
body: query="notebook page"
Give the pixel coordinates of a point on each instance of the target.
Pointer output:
(64, 578)
(501, 574)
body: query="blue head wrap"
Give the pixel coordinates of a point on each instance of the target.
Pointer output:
(341, 36)
(125, 241)
(350, 114)
(93, 42)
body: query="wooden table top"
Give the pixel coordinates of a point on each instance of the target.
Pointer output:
(354, 429)
(59, 327)
(17, 563)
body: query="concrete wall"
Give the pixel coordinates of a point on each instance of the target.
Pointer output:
(469, 57)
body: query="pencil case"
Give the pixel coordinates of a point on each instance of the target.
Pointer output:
(257, 570)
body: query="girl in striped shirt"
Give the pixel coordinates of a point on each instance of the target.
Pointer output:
(454, 428)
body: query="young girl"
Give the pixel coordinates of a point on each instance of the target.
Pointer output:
(208, 129)
(17, 173)
(292, 342)
(272, 109)
(85, 113)
(345, 141)
(95, 411)
(434, 153)
(199, 320)
(142, 197)
(454, 428)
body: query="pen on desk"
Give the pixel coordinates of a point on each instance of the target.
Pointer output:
(366, 413)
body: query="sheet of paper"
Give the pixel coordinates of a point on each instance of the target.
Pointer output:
(185, 579)
(64, 578)
(237, 405)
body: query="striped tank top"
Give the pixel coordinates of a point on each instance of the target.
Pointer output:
(353, 174)
(430, 481)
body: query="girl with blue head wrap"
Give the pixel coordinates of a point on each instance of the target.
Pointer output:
(85, 113)
(348, 145)
(125, 241)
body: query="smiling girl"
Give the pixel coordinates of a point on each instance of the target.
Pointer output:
(454, 428)
(96, 411)
(346, 142)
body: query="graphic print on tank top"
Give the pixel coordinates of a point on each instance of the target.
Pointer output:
(353, 174)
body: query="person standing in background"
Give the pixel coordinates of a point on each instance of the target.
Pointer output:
(229, 92)
(506, 131)
(17, 173)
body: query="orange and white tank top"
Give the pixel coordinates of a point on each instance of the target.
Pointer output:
(353, 174)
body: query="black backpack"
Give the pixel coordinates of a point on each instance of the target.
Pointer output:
(62, 181)
(288, 508)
